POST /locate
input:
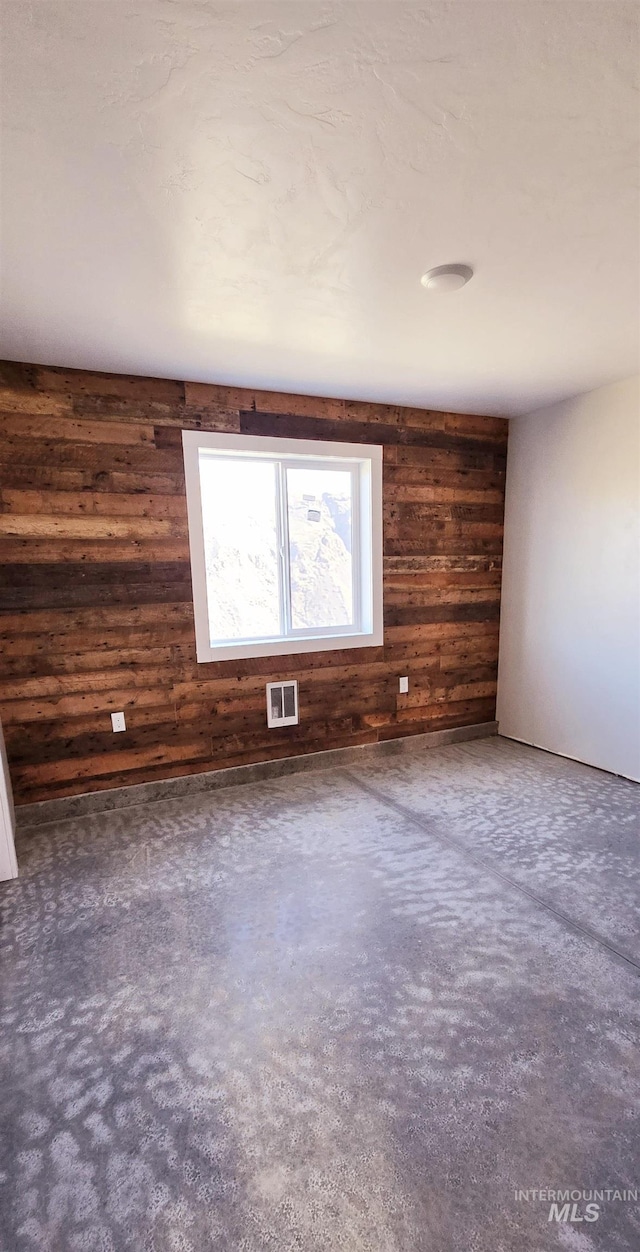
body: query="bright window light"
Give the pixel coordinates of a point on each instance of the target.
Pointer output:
(286, 544)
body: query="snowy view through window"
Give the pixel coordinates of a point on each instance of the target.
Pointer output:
(240, 507)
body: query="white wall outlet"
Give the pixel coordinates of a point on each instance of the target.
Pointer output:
(118, 722)
(404, 686)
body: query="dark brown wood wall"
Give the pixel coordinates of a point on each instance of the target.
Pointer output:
(95, 587)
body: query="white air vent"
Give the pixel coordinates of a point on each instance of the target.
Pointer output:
(282, 703)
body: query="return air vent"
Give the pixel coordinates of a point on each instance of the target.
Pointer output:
(282, 703)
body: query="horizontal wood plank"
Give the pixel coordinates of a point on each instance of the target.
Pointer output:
(73, 429)
(93, 503)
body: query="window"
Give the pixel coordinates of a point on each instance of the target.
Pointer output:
(286, 544)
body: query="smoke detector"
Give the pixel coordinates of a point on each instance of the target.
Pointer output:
(447, 277)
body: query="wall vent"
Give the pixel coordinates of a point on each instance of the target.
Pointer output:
(282, 703)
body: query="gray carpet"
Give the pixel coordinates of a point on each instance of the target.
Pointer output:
(338, 1012)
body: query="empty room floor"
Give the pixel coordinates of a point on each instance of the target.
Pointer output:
(350, 1010)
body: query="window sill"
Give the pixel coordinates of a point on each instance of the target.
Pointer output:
(288, 647)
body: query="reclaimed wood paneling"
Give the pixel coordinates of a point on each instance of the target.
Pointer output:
(95, 582)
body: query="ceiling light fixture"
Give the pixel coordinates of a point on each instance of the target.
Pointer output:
(447, 277)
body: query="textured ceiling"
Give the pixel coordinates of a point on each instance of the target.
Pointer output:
(249, 193)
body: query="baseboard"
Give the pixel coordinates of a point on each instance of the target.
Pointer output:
(566, 756)
(31, 815)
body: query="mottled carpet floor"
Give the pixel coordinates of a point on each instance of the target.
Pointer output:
(345, 1011)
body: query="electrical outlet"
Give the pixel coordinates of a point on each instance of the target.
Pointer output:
(404, 686)
(118, 722)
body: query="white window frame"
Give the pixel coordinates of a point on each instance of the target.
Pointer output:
(365, 463)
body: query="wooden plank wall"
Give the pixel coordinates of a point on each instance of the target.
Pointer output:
(95, 588)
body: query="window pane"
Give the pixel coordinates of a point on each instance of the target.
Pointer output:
(320, 547)
(241, 547)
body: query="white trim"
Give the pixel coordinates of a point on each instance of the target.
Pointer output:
(366, 466)
(284, 553)
(8, 862)
(270, 446)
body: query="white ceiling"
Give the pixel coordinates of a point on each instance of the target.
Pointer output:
(249, 192)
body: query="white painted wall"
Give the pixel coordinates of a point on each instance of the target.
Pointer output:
(569, 674)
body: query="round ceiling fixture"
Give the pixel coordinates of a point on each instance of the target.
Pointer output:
(447, 277)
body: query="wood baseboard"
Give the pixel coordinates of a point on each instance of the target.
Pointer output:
(32, 815)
